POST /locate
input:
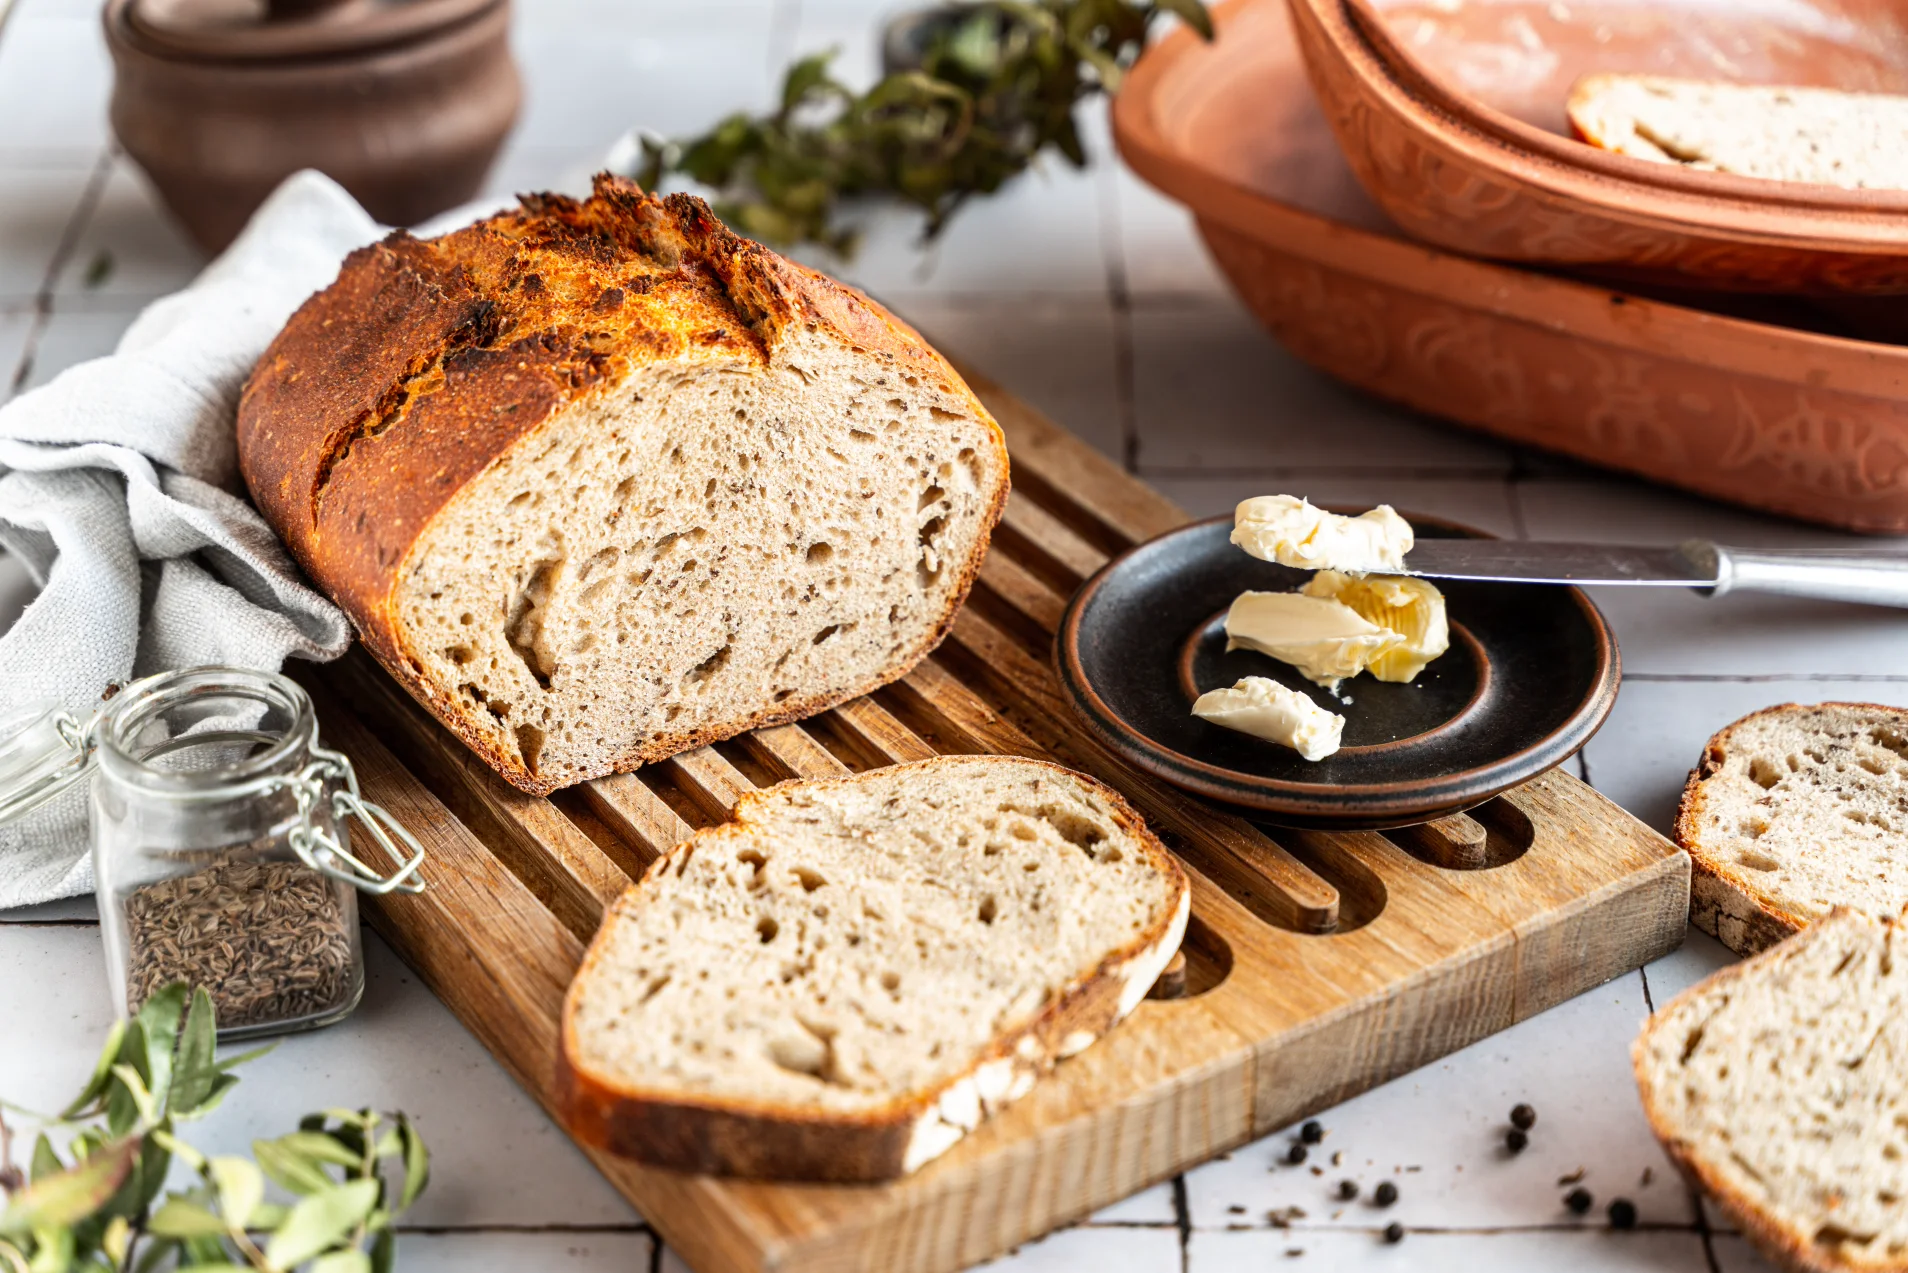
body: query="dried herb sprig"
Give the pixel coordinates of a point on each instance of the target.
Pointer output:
(349, 1172)
(997, 85)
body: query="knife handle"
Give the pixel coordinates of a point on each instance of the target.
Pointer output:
(1827, 575)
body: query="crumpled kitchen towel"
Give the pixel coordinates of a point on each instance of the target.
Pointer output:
(119, 489)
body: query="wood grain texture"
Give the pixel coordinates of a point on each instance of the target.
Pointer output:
(1317, 963)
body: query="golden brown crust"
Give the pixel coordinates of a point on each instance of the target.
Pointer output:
(389, 391)
(1782, 1245)
(1722, 902)
(766, 1141)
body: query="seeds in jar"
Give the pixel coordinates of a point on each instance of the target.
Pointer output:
(267, 940)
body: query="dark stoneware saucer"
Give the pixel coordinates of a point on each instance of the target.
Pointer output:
(1531, 673)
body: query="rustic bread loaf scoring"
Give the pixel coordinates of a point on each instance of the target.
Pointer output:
(1780, 1086)
(602, 481)
(1817, 135)
(848, 977)
(1793, 811)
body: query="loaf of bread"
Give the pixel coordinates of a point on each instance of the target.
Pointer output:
(1780, 1087)
(600, 481)
(846, 978)
(1792, 812)
(1818, 135)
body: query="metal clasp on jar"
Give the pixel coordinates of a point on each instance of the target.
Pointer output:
(317, 848)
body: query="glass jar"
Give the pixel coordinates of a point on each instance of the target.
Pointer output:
(221, 851)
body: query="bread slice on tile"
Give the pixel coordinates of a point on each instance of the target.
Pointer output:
(845, 979)
(1817, 135)
(1793, 811)
(1780, 1087)
(601, 481)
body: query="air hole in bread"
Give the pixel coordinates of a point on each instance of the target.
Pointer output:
(860, 435)
(700, 675)
(603, 560)
(460, 655)
(989, 909)
(825, 633)
(529, 745)
(1759, 861)
(929, 498)
(1891, 741)
(766, 928)
(1765, 773)
(523, 619)
(891, 981)
(820, 553)
(810, 880)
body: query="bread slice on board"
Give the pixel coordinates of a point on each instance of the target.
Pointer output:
(1817, 135)
(1793, 811)
(845, 979)
(1780, 1087)
(601, 481)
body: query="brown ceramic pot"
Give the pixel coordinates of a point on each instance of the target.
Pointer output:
(1464, 173)
(1795, 422)
(404, 104)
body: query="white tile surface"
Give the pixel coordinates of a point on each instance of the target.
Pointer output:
(37, 203)
(1480, 502)
(127, 249)
(16, 329)
(55, 78)
(560, 1252)
(1603, 1252)
(73, 334)
(1104, 1250)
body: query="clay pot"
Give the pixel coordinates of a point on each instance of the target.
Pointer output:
(405, 104)
(1757, 413)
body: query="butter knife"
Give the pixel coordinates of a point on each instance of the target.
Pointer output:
(1826, 574)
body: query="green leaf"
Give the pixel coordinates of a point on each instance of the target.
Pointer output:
(319, 1221)
(136, 1090)
(198, 1068)
(417, 1163)
(291, 1169)
(187, 1154)
(102, 1073)
(158, 1251)
(221, 1266)
(46, 1160)
(221, 1084)
(53, 1251)
(321, 1147)
(241, 1188)
(159, 1018)
(183, 1218)
(1192, 12)
(143, 1182)
(116, 1240)
(383, 1251)
(233, 1062)
(342, 1262)
(804, 77)
(69, 1196)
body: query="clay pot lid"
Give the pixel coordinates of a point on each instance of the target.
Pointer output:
(283, 30)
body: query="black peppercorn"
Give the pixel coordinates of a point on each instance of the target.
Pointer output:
(1348, 1189)
(1394, 1232)
(1579, 1200)
(1385, 1194)
(1516, 1140)
(1623, 1214)
(1296, 1154)
(1312, 1133)
(1523, 1117)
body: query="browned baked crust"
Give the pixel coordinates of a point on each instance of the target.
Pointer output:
(765, 1141)
(1721, 902)
(426, 360)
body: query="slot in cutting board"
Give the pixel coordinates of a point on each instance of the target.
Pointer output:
(1318, 964)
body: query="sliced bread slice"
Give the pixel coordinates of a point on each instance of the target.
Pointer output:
(842, 981)
(1792, 812)
(1818, 135)
(1780, 1087)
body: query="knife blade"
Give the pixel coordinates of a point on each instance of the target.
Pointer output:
(1517, 561)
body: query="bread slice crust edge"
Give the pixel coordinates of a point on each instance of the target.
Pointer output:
(767, 1141)
(1722, 901)
(353, 440)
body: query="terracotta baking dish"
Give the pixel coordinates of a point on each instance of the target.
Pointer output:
(1810, 425)
(1452, 117)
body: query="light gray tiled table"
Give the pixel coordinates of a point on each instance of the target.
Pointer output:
(1087, 294)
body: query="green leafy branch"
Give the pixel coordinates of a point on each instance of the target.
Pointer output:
(996, 86)
(351, 1173)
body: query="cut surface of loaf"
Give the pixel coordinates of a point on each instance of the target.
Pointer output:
(846, 978)
(1817, 135)
(1793, 811)
(1780, 1086)
(601, 481)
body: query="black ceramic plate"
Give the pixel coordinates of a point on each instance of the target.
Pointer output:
(1530, 675)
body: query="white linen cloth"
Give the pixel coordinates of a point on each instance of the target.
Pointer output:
(120, 491)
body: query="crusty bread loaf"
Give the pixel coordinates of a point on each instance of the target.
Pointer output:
(1817, 135)
(1780, 1087)
(1792, 812)
(845, 979)
(601, 481)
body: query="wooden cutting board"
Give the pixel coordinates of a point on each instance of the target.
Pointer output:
(1318, 963)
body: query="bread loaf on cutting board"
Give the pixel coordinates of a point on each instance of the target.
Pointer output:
(601, 481)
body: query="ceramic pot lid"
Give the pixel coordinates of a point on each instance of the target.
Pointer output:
(283, 30)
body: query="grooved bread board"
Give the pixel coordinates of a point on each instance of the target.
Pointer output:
(1318, 964)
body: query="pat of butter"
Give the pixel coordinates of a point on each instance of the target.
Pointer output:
(1413, 609)
(1324, 639)
(1291, 532)
(1268, 710)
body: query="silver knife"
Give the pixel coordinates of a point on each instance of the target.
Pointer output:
(1828, 574)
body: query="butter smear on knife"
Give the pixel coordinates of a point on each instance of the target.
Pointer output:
(1268, 710)
(1289, 531)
